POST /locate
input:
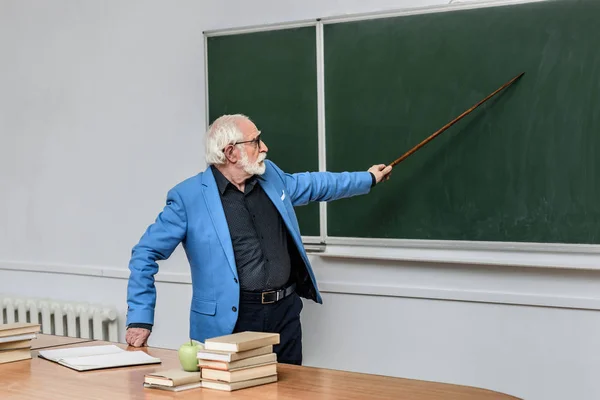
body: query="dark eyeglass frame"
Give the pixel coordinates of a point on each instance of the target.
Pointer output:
(256, 141)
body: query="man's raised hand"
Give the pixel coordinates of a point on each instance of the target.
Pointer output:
(381, 172)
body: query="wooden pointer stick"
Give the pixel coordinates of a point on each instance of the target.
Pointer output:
(449, 124)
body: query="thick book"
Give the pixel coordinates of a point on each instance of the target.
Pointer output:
(241, 341)
(15, 355)
(18, 328)
(245, 363)
(231, 386)
(229, 356)
(238, 375)
(89, 358)
(172, 377)
(19, 344)
(17, 338)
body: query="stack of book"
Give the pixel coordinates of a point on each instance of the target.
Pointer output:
(238, 361)
(15, 341)
(174, 380)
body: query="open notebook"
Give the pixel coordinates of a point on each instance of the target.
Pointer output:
(97, 357)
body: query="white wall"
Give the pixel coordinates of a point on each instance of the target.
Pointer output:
(102, 111)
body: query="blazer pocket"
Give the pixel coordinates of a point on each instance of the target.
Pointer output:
(204, 306)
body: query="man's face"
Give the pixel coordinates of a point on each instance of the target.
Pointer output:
(254, 151)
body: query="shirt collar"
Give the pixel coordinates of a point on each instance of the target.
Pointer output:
(223, 183)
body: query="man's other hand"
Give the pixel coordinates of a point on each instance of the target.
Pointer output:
(381, 172)
(137, 337)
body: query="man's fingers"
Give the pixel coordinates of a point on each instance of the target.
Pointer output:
(133, 338)
(137, 336)
(145, 335)
(381, 172)
(139, 341)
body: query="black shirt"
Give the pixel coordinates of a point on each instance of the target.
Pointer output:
(258, 235)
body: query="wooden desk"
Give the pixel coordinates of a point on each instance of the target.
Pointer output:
(44, 341)
(39, 378)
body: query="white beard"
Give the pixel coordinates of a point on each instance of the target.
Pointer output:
(256, 168)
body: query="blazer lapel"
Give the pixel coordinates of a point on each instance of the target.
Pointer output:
(217, 216)
(277, 200)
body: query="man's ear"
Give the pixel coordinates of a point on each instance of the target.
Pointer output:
(230, 154)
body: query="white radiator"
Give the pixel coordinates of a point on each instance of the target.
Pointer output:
(62, 318)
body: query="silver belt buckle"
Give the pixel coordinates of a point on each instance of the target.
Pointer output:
(262, 297)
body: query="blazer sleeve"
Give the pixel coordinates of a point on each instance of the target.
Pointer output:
(157, 243)
(307, 187)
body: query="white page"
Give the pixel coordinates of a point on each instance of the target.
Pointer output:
(16, 338)
(121, 359)
(83, 351)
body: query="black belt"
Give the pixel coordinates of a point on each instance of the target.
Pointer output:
(267, 297)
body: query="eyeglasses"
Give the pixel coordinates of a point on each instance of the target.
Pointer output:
(256, 141)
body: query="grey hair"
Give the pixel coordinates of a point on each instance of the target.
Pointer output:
(222, 132)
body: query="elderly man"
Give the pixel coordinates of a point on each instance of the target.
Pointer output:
(237, 224)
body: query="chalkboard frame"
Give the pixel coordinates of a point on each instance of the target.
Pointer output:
(312, 243)
(444, 251)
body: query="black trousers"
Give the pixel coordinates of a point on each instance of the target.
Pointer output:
(282, 317)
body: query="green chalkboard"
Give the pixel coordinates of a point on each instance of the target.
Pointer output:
(525, 167)
(271, 77)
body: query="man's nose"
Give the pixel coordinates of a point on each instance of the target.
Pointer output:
(263, 147)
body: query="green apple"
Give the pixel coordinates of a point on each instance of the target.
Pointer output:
(188, 356)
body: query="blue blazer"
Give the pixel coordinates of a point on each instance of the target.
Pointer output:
(194, 216)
